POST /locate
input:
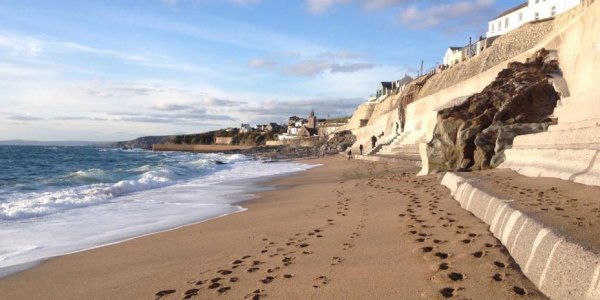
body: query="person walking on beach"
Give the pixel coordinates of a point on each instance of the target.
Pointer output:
(361, 149)
(349, 154)
(373, 141)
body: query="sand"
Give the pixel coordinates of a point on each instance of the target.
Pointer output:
(568, 207)
(346, 230)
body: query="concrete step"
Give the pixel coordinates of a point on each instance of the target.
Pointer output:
(399, 150)
(575, 125)
(559, 266)
(575, 112)
(578, 138)
(578, 165)
(593, 96)
(392, 159)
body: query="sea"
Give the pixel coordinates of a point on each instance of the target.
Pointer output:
(60, 200)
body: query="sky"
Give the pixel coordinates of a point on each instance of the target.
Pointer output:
(116, 70)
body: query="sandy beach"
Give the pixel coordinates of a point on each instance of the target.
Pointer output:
(345, 230)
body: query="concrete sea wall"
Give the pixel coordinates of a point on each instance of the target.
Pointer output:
(560, 268)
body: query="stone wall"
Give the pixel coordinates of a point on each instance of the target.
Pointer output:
(504, 48)
(223, 140)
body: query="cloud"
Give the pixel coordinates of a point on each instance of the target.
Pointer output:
(262, 63)
(321, 6)
(463, 11)
(20, 117)
(316, 67)
(279, 110)
(419, 14)
(26, 46)
(381, 4)
(170, 106)
(307, 68)
(340, 55)
(350, 68)
(310, 66)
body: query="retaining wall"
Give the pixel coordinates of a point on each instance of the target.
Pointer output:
(560, 268)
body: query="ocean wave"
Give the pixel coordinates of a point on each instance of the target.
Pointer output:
(90, 176)
(96, 186)
(45, 203)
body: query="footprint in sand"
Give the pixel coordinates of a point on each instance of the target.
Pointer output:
(164, 293)
(519, 291)
(321, 281)
(447, 292)
(456, 276)
(267, 279)
(255, 295)
(336, 261)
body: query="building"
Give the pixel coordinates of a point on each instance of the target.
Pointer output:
(398, 85)
(274, 127)
(246, 128)
(312, 120)
(299, 127)
(454, 55)
(305, 132)
(529, 11)
(385, 89)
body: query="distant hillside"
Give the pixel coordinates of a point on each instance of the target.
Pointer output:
(48, 143)
(206, 138)
(145, 142)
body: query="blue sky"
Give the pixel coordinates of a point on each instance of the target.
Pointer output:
(115, 70)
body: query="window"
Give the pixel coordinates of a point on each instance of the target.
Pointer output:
(491, 27)
(506, 23)
(537, 1)
(553, 11)
(499, 25)
(537, 16)
(520, 16)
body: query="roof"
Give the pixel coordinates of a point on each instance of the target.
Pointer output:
(455, 48)
(512, 10)
(386, 84)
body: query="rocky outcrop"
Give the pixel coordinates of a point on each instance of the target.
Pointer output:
(473, 135)
(339, 142)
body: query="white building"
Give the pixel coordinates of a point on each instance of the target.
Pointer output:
(532, 10)
(453, 56)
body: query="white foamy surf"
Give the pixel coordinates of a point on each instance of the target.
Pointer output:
(39, 225)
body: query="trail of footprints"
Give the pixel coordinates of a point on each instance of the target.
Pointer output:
(474, 243)
(274, 258)
(552, 201)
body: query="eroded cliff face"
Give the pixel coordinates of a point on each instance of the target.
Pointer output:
(474, 134)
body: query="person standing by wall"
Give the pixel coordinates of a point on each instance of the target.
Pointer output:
(373, 141)
(361, 149)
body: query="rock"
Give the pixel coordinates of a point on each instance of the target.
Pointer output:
(474, 134)
(339, 142)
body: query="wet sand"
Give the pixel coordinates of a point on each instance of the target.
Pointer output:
(346, 230)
